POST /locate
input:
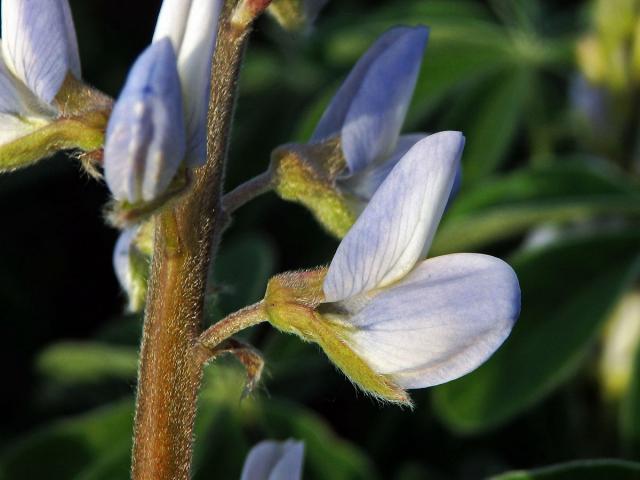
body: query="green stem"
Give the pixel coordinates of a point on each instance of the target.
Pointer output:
(170, 364)
(232, 324)
(246, 192)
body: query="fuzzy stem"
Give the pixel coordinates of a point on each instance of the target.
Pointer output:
(232, 324)
(247, 191)
(170, 364)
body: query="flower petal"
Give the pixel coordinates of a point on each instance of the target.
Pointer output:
(121, 258)
(364, 184)
(172, 21)
(145, 141)
(270, 460)
(13, 127)
(194, 66)
(441, 321)
(369, 109)
(39, 43)
(398, 224)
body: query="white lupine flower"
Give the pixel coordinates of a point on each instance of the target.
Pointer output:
(192, 26)
(418, 322)
(39, 50)
(159, 120)
(145, 142)
(270, 460)
(369, 109)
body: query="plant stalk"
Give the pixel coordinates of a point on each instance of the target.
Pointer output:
(247, 191)
(232, 324)
(171, 366)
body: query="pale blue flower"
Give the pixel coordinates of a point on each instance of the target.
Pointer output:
(145, 142)
(270, 460)
(39, 50)
(421, 322)
(122, 258)
(369, 109)
(192, 26)
(159, 121)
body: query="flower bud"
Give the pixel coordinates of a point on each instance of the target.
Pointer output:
(131, 262)
(146, 136)
(357, 141)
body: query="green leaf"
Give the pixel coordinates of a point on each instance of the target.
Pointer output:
(79, 362)
(504, 207)
(567, 291)
(608, 469)
(65, 449)
(44, 139)
(491, 129)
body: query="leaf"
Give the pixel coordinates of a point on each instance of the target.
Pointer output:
(567, 291)
(81, 362)
(65, 449)
(608, 469)
(490, 131)
(503, 207)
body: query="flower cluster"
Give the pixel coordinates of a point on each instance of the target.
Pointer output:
(159, 120)
(357, 140)
(387, 318)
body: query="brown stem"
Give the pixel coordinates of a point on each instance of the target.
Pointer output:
(247, 192)
(170, 364)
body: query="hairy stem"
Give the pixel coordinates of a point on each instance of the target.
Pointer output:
(246, 192)
(170, 364)
(232, 324)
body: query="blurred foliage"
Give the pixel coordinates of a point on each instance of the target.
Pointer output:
(543, 186)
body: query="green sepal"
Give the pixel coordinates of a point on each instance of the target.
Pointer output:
(68, 133)
(306, 174)
(292, 302)
(82, 116)
(124, 214)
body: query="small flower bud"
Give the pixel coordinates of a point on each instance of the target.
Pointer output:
(146, 136)
(357, 141)
(131, 260)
